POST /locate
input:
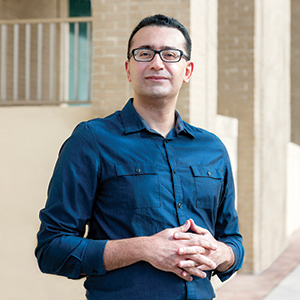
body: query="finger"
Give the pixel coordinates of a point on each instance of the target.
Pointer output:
(196, 241)
(183, 274)
(182, 236)
(198, 260)
(187, 264)
(188, 236)
(182, 229)
(205, 263)
(191, 250)
(197, 229)
(195, 272)
(205, 268)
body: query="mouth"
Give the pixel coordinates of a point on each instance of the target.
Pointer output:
(156, 78)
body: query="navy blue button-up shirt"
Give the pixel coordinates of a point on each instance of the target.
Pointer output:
(123, 179)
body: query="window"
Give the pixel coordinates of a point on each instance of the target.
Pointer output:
(47, 61)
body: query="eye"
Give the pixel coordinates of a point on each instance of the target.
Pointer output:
(144, 53)
(170, 54)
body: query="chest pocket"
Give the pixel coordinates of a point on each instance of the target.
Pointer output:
(138, 186)
(208, 182)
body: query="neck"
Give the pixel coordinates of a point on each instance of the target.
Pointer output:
(160, 118)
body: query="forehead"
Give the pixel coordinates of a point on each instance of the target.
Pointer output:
(158, 38)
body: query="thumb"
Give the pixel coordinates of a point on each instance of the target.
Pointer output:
(185, 227)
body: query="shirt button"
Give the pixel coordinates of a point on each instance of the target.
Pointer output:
(174, 171)
(95, 272)
(138, 170)
(179, 205)
(208, 173)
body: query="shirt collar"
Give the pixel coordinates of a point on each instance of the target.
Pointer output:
(133, 122)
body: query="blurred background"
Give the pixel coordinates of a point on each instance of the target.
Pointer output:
(62, 62)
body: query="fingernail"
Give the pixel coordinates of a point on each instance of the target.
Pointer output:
(176, 235)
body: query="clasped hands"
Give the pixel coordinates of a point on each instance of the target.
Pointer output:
(189, 254)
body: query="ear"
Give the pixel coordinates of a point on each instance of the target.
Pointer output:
(188, 71)
(127, 68)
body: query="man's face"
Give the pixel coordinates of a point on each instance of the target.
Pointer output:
(157, 79)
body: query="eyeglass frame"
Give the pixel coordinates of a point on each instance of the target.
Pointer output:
(157, 52)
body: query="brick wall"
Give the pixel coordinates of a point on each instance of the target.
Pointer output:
(235, 99)
(20, 9)
(253, 86)
(295, 71)
(203, 85)
(113, 23)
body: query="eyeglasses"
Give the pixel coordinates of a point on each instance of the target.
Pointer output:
(166, 55)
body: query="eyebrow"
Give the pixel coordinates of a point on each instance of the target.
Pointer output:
(151, 47)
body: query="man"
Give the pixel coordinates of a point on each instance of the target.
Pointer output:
(157, 193)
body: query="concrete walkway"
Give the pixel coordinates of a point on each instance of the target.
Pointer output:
(288, 288)
(280, 281)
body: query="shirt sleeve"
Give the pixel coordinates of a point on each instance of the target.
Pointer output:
(61, 248)
(227, 227)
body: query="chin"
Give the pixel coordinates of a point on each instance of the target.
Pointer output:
(159, 94)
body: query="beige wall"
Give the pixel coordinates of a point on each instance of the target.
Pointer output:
(272, 128)
(30, 141)
(293, 189)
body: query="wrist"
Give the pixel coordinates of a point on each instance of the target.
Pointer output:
(145, 248)
(227, 258)
(124, 252)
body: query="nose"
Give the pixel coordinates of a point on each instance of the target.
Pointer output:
(156, 63)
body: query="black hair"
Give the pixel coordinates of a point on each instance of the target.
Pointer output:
(163, 21)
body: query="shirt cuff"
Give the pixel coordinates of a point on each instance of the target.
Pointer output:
(92, 263)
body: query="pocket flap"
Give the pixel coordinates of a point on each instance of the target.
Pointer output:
(206, 171)
(135, 169)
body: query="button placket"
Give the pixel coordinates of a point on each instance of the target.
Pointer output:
(178, 196)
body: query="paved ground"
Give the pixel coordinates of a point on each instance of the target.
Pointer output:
(288, 288)
(279, 282)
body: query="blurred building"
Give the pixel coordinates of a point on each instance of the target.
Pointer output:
(62, 61)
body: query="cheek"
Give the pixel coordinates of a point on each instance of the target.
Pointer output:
(133, 71)
(176, 72)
